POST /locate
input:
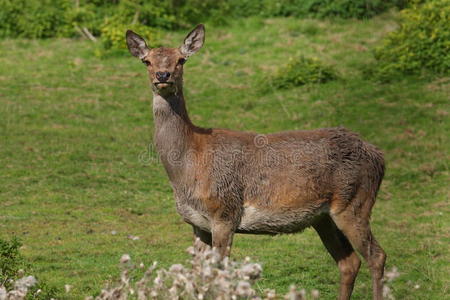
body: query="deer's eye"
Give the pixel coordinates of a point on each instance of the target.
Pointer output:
(146, 62)
(181, 61)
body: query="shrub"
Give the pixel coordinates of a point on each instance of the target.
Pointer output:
(32, 19)
(113, 34)
(422, 42)
(360, 9)
(207, 276)
(85, 16)
(10, 259)
(63, 18)
(13, 283)
(300, 71)
(193, 12)
(133, 15)
(317, 8)
(20, 290)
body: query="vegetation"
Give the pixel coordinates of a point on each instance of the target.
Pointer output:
(300, 71)
(10, 260)
(207, 276)
(12, 279)
(360, 9)
(113, 37)
(422, 42)
(109, 19)
(66, 18)
(80, 183)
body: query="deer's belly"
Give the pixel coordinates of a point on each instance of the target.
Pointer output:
(266, 221)
(257, 220)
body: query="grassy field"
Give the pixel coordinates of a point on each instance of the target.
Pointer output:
(76, 162)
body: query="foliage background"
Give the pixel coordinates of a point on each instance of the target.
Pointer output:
(59, 18)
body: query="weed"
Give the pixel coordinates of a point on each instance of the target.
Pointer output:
(300, 71)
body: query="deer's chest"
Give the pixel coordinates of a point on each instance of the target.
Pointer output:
(193, 202)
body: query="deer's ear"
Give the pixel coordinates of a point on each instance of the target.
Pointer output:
(136, 45)
(193, 41)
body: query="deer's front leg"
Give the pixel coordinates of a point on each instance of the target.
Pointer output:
(204, 236)
(222, 237)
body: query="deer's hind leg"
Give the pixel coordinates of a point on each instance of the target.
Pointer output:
(356, 228)
(342, 251)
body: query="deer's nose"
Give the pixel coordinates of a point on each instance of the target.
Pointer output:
(162, 76)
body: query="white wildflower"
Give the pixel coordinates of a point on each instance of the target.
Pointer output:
(270, 294)
(244, 289)
(251, 271)
(207, 276)
(3, 293)
(392, 274)
(173, 291)
(207, 272)
(153, 294)
(125, 259)
(191, 251)
(387, 294)
(177, 268)
(300, 295)
(158, 280)
(25, 283)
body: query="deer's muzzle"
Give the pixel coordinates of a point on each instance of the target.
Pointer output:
(162, 76)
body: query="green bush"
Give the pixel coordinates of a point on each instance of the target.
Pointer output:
(191, 12)
(422, 42)
(113, 34)
(361, 9)
(10, 259)
(316, 8)
(12, 264)
(32, 19)
(300, 71)
(65, 18)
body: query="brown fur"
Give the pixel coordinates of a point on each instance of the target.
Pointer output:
(227, 181)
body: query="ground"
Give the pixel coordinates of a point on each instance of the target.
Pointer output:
(79, 179)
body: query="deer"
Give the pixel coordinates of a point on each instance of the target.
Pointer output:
(226, 182)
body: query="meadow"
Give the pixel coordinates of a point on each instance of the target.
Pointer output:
(80, 183)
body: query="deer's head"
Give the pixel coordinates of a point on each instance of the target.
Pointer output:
(165, 65)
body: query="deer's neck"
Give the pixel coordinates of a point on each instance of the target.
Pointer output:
(173, 129)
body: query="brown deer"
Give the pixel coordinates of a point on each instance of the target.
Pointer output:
(227, 182)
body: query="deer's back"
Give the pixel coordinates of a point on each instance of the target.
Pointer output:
(279, 182)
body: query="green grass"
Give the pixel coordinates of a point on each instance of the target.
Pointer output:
(74, 163)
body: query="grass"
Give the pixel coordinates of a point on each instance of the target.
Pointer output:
(75, 160)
